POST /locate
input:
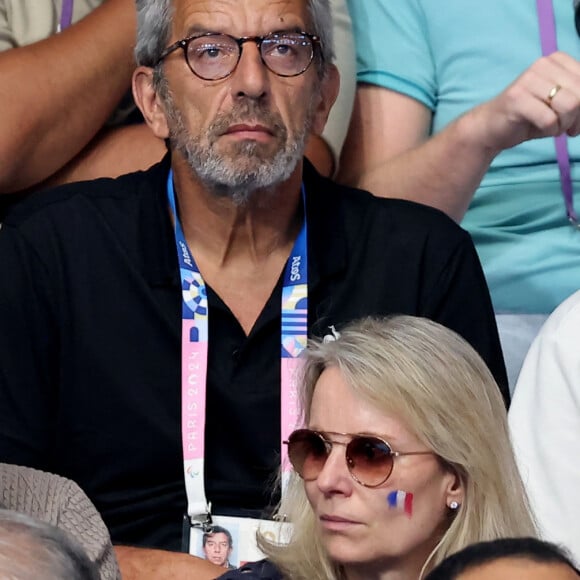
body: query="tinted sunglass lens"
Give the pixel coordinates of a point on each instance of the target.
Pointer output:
(369, 460)
(307, 453)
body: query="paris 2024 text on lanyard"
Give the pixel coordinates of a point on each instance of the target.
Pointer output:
(194, 349)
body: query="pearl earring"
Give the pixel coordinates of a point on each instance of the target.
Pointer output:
(453, 505)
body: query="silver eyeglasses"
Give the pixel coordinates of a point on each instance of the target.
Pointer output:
(213, 56)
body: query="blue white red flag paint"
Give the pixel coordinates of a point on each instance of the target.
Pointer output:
(402, 500)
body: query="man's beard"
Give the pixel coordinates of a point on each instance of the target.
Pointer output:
(246, 166)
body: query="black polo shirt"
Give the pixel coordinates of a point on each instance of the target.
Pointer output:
(90, 345)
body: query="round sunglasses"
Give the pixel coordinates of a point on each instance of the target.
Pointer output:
(369, 459)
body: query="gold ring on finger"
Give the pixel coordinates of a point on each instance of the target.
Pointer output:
(553, 92)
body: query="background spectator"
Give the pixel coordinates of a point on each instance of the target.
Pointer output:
(59, 90)
(545, 425)
(527, 558)
(31, 549)
(433, 117)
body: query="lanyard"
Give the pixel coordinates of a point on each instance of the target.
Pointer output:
(194, 349)
(65, 15)
(547, 24)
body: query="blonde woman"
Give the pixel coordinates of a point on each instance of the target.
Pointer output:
(404, 459)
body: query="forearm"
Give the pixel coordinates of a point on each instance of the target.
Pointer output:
(112, 153)
(319, 154)
(56, 94)
(389, 151)
(150, 564)
(442, 172)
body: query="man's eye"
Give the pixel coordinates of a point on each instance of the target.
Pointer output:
(283, 49)
(208, 51)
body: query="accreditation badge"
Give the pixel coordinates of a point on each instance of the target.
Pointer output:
(231, 542)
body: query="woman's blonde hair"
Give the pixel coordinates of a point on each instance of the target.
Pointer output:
(435, 382)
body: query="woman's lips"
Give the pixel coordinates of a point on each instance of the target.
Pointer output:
(337, 523)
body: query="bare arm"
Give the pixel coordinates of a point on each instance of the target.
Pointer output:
(149, 564)
(111, 153)
(56, 94)
(389, 153)
(319, 154)
(323, 151)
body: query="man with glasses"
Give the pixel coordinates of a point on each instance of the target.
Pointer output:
(60, 132)
(151, 324)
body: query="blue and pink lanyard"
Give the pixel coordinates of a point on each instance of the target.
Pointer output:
(547, 24)
(194, 350)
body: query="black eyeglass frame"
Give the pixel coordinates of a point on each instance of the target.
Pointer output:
(240, 41)
(328, 443)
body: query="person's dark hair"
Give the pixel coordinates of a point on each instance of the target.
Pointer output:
(218, 530)
(485, 552)
(32, 549)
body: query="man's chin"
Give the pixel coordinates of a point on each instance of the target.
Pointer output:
(249, 149)
(217, 562)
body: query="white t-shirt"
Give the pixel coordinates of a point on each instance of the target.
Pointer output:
(23, 22)
(544, 420)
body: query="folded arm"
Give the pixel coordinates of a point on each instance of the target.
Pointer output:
(113, 152)
(150, 564)
(389, 152)
(57, 93)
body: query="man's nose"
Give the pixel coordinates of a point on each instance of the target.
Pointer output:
(251, 77)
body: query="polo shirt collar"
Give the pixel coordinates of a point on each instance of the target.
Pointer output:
(326, 227)
(159, 257)
(327, 241)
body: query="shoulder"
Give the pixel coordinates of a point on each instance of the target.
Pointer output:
(553, 354)
(393, 49)
(82, 201)
(262, 570)
(548, 383)
(564, 323)
(381, 218)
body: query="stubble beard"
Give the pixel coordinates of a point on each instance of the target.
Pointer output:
(246, 167)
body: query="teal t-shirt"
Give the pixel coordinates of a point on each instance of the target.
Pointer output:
(452, 55)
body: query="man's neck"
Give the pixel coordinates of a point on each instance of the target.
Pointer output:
(226, 232)
(240, 250)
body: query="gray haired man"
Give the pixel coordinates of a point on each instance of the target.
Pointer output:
(151, 325)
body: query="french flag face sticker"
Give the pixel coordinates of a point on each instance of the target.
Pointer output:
(401, 500)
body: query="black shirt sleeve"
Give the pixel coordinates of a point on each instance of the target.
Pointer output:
(28, 355)
(459, 299)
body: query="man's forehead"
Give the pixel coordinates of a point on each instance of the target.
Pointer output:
(239, 17)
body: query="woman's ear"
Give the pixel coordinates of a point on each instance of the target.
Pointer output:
(149, 102)
(455, 491)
